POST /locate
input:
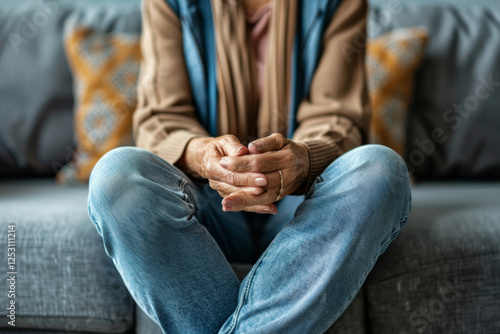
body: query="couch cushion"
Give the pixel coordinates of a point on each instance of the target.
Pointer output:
(391, 62)
(441, 274)
(105, 68)
(65, 280)
(36, 132)
(453, 121)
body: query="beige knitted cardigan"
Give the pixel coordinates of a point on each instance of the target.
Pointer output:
(332, 119)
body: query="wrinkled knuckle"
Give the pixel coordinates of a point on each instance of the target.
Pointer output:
(232, 164)
(243, 202)
(290, 160)
(256, 164)
(240, 165)
(258, 141)
(279, 136)
(214, 185)
(209, 168)
(233, 178)
(296, 162)
(230, 138)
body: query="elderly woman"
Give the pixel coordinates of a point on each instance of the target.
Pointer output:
(250, 119)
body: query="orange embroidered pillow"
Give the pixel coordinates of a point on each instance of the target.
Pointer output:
(105, 69)
(391, 62)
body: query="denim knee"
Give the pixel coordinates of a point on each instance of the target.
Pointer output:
(111, 178)
(375, 164)
(389, 173)
(376, 172)
(121, 161)
(114, 172)
(130, 183)
(383, 165)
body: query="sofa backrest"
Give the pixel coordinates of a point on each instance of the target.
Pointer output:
(454, 120)
(452, 123)
(36, 102)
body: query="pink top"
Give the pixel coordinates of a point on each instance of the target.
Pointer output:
(257, 28)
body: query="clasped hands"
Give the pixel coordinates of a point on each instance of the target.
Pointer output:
(248, 178)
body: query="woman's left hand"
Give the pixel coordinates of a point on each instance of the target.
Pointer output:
(268, 155)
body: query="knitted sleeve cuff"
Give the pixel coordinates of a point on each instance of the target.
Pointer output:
(321, 153)
(172, 148)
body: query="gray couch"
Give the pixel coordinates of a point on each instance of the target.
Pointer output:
(442, 275)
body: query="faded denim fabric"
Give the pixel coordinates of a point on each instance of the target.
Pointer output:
(172, 243)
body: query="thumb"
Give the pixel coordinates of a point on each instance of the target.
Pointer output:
(274, 142)
(232, 146)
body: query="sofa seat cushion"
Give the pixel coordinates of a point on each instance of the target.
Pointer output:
(442, 274)
(65, 281)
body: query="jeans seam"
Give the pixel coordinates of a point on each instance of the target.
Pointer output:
(182, 186)
(90, 213)
(352, 296)
(382, 246)
(407, 211)
(313, 185)
(246, 290)
(402, 222)
(187, 193)
(191, 203)
(388, 241)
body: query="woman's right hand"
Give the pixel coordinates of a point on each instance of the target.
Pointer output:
(202, 159)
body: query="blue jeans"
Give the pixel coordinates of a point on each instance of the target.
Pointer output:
(172, 243)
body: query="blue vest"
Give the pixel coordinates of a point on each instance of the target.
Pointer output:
(200, 53)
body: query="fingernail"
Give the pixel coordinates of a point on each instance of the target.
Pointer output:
(260, 182)
(228, 203)
(259, 191)
(224, 163)
(270, 212)
(239, 150)
(255, 146)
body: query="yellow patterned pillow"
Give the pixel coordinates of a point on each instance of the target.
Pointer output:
(391, 62)
(105, 69)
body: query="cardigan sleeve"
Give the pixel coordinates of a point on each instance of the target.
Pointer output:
(334, 118)
(165, 120)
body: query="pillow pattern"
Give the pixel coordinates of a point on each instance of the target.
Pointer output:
(391, 62)
(106, 66)
(105, 69)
